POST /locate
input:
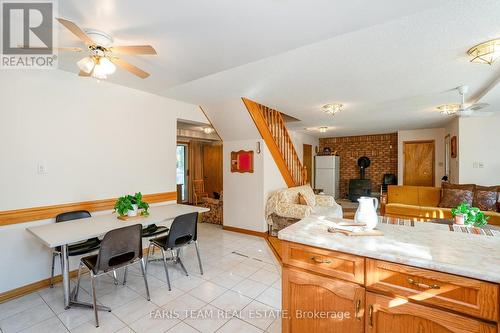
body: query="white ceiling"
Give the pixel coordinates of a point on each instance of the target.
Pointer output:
(389, 61)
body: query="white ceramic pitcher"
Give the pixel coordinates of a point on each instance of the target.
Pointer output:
(367, 212)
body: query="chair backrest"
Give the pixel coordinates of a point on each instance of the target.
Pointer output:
(183, 230)
(119, 247)
(198, 185)
(76, 215)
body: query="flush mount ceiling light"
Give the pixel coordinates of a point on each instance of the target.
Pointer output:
(323, 129)
(208, 130)
(485, 53)
(449, 109)
(332, 108)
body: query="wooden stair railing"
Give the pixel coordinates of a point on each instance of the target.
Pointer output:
(272, 128)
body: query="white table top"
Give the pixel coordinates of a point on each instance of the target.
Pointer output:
(426, 245)
(57, 234)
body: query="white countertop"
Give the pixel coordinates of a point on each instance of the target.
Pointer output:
(56, 234)
(427, 245)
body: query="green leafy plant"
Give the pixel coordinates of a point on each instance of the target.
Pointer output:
(137, 199)
(472, 215)
(126, 202)
(123, 205)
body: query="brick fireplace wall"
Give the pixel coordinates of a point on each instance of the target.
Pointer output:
(381, 149)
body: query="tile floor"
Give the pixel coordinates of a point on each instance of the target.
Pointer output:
(238, 292)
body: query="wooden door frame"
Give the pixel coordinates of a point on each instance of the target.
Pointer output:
(433, 158)
(188, 172)
(309, 172)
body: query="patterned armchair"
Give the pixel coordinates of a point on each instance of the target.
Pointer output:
(284, 208)
(216, 208)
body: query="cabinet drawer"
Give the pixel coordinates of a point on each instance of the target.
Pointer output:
(335, 264)
(468, 296)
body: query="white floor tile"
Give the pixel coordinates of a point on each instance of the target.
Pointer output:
(231, 301)
(236, 325)
(107, 323)
(153, 324)
(250, 288)
(181, 306)
(208, 319)
(259, 314)
(275, 327)
(52, 325)
(182, 328)
(20, 304)
(134, 310)
(207, 291)
(26, 318)
(271, 297)
(162, 295)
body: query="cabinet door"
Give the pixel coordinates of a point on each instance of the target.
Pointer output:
(316, 304)
(397, 315)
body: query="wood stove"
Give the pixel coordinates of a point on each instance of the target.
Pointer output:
(360, 187)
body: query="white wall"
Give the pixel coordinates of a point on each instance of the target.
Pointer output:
(97, 140)
(436, 134)
(298, 140)
(479, 144)
(243, 192)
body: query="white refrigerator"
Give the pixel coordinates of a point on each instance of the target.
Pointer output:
(327, 174)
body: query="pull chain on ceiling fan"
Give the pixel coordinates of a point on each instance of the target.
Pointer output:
(101, 60)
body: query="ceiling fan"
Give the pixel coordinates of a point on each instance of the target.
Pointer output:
(473, 110)
(101, 59)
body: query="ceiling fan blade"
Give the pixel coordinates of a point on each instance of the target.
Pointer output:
(70, 49)
(478, 106)
(129, 67)
(82, 73)
(133, 49)
(71, 26)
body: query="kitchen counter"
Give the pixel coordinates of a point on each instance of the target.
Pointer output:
(426, 245)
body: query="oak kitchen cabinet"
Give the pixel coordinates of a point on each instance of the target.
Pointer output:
(328, 291)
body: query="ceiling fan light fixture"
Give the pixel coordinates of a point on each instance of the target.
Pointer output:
(449, 109)
(86, 64)
(106, 66)
(333, 108)
(485, 53)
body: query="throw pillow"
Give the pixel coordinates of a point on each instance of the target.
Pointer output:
(302, 199)
(453, 195)
(485, 198)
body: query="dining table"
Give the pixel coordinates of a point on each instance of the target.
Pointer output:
(65, 233)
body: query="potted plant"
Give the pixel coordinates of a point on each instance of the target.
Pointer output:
(129, 205)
(465, 214)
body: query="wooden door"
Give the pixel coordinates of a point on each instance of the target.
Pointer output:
(317, 304)
(386, 314)
(307, 161)
(418, 163)
(212, 168)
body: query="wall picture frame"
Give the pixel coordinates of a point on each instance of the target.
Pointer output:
(453, 147)
(242, 161)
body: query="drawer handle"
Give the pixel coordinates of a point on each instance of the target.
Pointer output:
(321, 261)
(370, 316)
(423, 285)
(358, 308)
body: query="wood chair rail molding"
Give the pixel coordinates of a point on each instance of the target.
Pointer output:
(46, 212)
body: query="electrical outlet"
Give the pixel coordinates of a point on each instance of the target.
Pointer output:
(41, 168)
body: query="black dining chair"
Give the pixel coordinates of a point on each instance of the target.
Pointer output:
(119, 248)
(77, 248)
(183, 231)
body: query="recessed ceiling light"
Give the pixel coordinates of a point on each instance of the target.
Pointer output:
(485, 53)
(449, 109)
(332, 108)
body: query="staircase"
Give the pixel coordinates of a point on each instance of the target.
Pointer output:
(272, 128)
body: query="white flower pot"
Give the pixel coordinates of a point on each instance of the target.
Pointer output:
(133, 212)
